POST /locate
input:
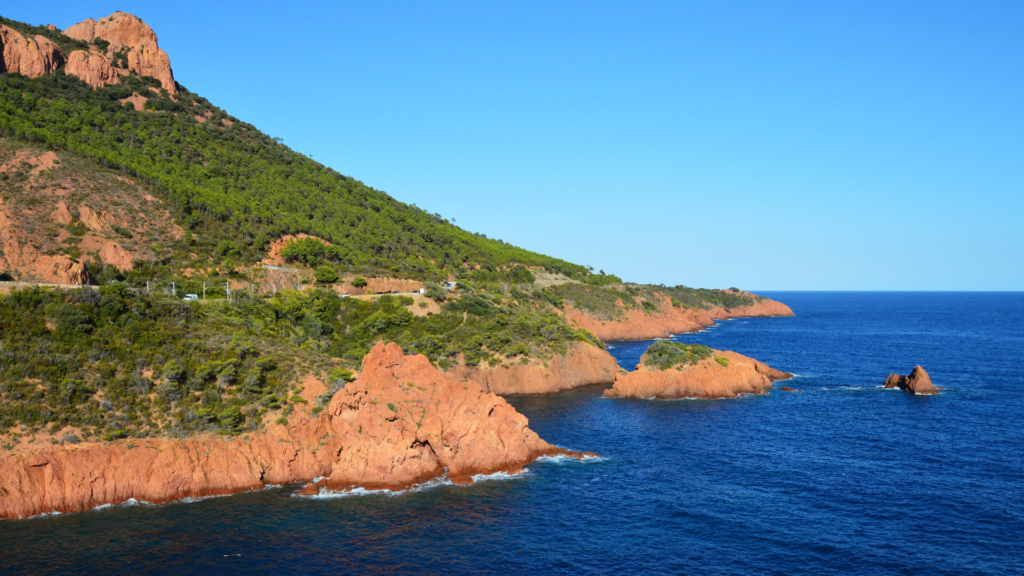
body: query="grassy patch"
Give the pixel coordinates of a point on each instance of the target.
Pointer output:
(666, 354)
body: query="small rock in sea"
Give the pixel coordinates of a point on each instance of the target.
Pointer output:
(918, 382)
(788, 389)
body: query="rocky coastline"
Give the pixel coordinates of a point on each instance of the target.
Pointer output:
(637, 324)
(402, 422)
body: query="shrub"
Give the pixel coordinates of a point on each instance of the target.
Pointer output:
(666, 354)
(70, 320)
(121, 231)
(722, 360)
(435, 292)
(326, 275)
(359, 282)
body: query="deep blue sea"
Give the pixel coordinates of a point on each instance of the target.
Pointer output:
(842, 478)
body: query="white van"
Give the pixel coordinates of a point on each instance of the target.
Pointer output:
(191, 297)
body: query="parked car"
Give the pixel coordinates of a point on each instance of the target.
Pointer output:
(191, 297)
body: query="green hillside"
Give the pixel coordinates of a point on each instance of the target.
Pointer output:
(237, 189)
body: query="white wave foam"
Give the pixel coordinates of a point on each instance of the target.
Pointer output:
(326, 494)
(499, 476)
(45, 515)
(564, 459)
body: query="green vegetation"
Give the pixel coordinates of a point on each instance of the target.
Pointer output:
(326, 275)
(609, 302)
(434, 292)
(117, 362)
(722, 360)
(225, 181)
(479, 326)
(665, 354)
(114, 363)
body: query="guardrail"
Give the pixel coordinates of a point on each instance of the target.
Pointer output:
(282, 269)
(16, 284)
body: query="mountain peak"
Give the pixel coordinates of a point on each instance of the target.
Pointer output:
(119, 44)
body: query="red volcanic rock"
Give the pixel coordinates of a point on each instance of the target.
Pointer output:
(92, 67)
(401, 422)
(637, 324)
(705, 379)
(32, 56)
(582, 365)
(895, 381)
(128, 33)
(918, 382)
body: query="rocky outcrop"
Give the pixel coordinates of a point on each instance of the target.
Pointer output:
(918, 382)
(637, 324)
(128, 34)
(401, 422)
(32, 56)
(707, 378)
(582, 365)
(93, 67)
(112, 253)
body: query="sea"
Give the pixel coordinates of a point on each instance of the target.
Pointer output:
(840, 478)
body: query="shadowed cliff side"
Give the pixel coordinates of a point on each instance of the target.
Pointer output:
(402, 422)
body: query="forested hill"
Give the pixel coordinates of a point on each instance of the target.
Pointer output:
(226, 181)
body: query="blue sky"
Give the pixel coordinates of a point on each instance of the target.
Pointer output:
(765, 145)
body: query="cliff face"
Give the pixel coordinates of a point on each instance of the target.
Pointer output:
(32, 56)
(126, 34)
(92, 67)
(705, 379)
(637, 324)
(584, 364)
(400, 423)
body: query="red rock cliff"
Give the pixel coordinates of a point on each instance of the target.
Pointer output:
(400, 423)
(637, 324)
(126, 33)
(32, 56)
(705, 379)
(583, 364)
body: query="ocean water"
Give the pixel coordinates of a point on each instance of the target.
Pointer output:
(840, 478)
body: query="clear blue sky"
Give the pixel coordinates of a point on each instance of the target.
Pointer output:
(766, 145)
